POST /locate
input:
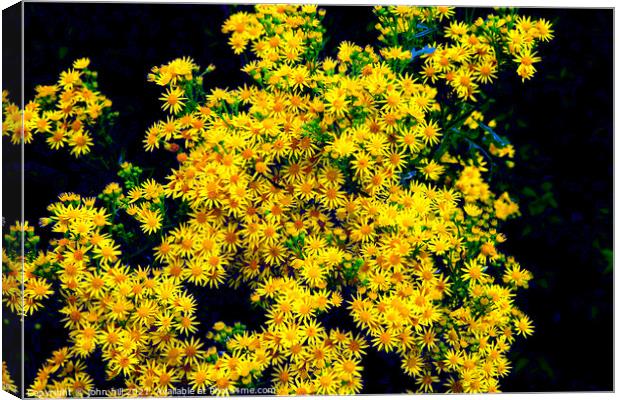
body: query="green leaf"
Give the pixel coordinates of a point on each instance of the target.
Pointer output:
(542, 282)
(529, 192)
(521, 363)
(544, 365)
(62, 52)
(609, 257)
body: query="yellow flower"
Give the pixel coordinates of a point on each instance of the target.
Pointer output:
(473, 272)
(524, 326)
(81, 63)
(150, 220)
(70, 78)
(174, 100)
(80, 143)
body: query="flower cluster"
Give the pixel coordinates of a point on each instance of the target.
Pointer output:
(344, 186)
(468, 54)
(305, 356)
(178, 76)
(66, 113)
(144, 200)
(60, 376)
(141, 319)
(31, 271)
(7, 382)
(335, 176)
(137, 317)
(288, 33)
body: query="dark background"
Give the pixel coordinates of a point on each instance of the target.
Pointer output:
(561, 127)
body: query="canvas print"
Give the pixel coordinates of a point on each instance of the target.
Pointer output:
(287, 199)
